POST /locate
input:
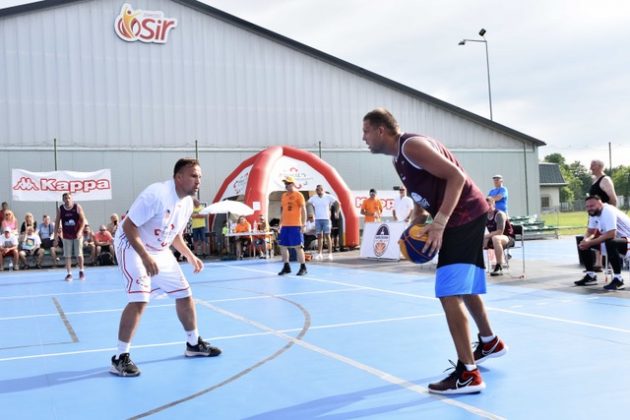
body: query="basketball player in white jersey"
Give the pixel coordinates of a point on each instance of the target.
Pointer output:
(155, 221)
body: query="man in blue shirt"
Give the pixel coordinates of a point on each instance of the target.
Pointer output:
(499, 194)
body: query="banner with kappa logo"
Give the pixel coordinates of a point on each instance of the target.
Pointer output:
(50, 186)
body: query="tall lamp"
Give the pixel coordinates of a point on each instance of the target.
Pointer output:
(482, 32)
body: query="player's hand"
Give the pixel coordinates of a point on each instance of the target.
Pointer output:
(196, 263)
(435, 232)
(150, 265)
(584, 245)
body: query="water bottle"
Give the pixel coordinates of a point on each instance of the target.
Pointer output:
(10, 264)
(255, 226)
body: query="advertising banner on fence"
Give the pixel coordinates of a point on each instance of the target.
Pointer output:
(50, 186)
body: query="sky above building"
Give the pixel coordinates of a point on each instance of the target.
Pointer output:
(559, 70)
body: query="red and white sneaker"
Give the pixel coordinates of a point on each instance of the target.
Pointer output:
(460, 381)
(495, 348)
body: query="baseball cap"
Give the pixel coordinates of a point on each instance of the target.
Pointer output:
(7, 229)
(497, 176)
(289, 180)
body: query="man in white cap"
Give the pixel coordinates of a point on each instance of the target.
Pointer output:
(499, 194)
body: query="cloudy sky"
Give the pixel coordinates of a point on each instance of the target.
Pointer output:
(560, 69)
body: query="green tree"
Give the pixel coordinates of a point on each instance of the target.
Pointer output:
(621, 180)
(583, 177)
(567, 193)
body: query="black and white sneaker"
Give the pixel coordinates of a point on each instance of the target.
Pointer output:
(123, 366)
(202, 348)
(586, 280)
(615, 284)
(498, 270)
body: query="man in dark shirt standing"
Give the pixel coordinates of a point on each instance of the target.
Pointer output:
(440, 188)
(70, 216)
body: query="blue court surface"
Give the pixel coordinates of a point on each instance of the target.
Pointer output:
(352, 339)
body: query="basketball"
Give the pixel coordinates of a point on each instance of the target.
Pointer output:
(411, 244)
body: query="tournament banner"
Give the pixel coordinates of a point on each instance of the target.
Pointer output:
(50, 186)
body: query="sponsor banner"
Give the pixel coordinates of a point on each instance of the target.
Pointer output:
(50, 186)
(387, 198)
(149, 26)
(380, 240)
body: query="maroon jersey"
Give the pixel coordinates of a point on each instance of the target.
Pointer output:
(69, 221)
(427, 190)
(491, 225)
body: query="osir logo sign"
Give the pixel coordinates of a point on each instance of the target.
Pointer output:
(143, 25)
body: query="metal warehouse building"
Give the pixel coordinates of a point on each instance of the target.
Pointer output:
(135, 97)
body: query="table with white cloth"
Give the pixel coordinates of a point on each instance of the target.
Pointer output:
(380, 240)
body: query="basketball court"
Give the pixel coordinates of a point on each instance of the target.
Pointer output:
(352, 339)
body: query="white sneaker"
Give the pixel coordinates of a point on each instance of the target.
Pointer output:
(330, 257)
(319, 257)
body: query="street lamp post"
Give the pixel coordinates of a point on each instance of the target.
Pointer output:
(482, 32)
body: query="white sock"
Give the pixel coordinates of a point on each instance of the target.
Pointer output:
(192, 337)
(470, 367)
(123, 347)
(618, 277)
(487, 339)
(591, 274)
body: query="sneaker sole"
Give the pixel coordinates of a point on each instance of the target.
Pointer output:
(587, 283)
(614, 288)
(189, 353)
(491, 355)
(470, 389)
(116, 372)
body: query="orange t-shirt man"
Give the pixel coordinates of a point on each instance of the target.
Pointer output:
(372, 208)
(292, 203)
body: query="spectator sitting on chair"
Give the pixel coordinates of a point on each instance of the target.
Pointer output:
(112, 226)
(104, 242)
(5, 207)
(46, 233)
(9, 248)
(609, 226)
(9, 221)
(30, 246)
(500, 235)
(242, 242)
(310, 231)
(89, 247)
(261, 240)
(29, 220)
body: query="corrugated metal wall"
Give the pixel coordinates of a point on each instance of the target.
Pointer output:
(65, 74)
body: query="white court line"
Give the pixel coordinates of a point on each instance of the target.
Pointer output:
(524, 314)
(226, 337)
(387, 377)
(152, 306)
(119, 290)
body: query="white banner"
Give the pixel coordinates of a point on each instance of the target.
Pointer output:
(50, 186)
(380, 240)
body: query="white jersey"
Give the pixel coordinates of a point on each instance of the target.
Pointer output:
(611, 218)
(160, 216)
(322, 205)
(403, 207)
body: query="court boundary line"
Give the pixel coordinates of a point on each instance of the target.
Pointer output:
(66, 322)
(490, 308)
(225, 337)
(385, 376)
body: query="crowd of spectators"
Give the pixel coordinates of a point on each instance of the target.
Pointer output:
(30, 244)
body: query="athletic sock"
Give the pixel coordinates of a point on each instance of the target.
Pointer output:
(123, 347)
(192, 337)
(591, 274)
(470, 367)
(487, 339)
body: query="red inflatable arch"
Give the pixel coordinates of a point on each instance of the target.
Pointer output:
(262, 174)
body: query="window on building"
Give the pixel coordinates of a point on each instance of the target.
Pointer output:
(545, 202)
